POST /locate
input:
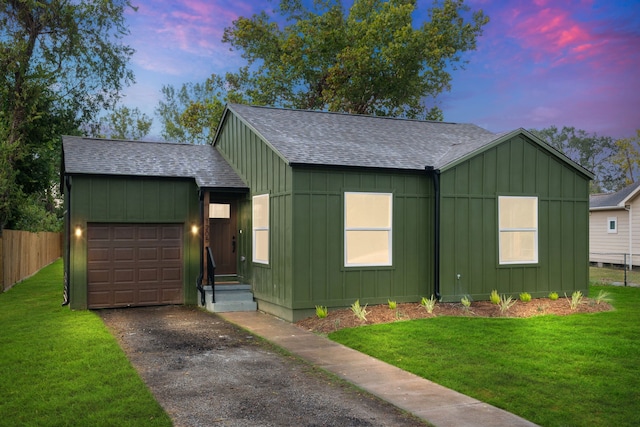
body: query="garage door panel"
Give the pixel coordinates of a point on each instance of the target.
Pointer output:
(148, 296)
(148, 275)
(148, 254)
(123, 297)
(170, 274)
(170, 254)
(124, 254)
(135, 265)
(98, 254)
(98, 233)
(172, 233)
(124, 233)
(97, 277)
(124, 276)
(172, 295)
(101, 299)
(149, 234)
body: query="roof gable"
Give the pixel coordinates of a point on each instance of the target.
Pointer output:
(154, 159)
(500, 138)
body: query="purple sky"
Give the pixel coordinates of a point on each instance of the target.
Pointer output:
(539, 62)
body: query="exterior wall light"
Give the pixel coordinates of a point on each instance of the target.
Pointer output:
(78, 231)
(194, 230)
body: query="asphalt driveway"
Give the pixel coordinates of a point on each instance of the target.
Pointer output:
(205, 371)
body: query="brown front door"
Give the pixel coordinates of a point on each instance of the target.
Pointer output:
(222, 236)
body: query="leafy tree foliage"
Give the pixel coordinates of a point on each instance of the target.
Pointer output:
(191, 114)
(61, 62)
(123, 123)
(594, 152)
(372, 60)
(628, 157)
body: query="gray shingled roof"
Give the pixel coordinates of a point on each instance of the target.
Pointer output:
(156, 159)
(612, 200)
(321, 138)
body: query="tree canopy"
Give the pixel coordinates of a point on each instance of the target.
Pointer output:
(594, 152)
(122, 123)
(61, 63)
(372, 60)
(191, 114)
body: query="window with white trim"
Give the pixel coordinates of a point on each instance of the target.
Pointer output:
(612, 224)
(518, 229)
(260, 220)
(367, 229)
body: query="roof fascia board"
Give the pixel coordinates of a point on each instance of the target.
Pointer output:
(228, 108)
(608, 208)
(353, 167)
(540, 143)
(633, 194)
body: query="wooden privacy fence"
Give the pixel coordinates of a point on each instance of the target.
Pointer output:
(23, 253)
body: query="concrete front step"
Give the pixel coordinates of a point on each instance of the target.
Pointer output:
(229, 298)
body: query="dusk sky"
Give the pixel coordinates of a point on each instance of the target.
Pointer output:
(539, 62)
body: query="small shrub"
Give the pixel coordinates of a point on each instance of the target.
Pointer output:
(576, 299)
(392, 304)
(553, 296)
(359, 311)
(466, 302)
(494, 297)
(506, 303)
(321, 311)
(428, 304)
(525, 297)
(603, 296)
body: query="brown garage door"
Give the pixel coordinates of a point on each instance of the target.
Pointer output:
(134, 265)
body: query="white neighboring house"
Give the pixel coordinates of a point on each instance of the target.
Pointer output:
(614, 227)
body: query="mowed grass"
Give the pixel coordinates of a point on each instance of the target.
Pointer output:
(600, 276)
(60, 367)
(578, 370)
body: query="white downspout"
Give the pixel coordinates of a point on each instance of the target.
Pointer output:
(630, 238)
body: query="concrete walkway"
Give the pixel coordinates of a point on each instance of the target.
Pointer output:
(438, 405)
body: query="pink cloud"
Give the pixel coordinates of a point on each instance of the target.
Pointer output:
(172, 29)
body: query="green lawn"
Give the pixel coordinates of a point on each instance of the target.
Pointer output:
(61, 367)
(578, 370)
(599, 276)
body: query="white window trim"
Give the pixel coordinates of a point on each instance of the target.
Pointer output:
(508, 230)
(389, 229)
(263, 228)
(613, 230)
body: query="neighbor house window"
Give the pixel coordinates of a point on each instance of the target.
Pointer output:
(518, 229)
(367, 229)
(260, 214)
(612, 224)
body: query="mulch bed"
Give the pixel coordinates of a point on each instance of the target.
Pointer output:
(344, 318)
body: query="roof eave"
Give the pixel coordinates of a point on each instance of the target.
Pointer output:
(607, 208)
(353, 167)
(632, 195)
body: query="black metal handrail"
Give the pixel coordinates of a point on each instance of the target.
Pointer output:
(211, 273)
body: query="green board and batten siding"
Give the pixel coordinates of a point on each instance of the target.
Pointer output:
(319, 239)
(306, 265)
(265, 172)
(132, 200)
(469, 225)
